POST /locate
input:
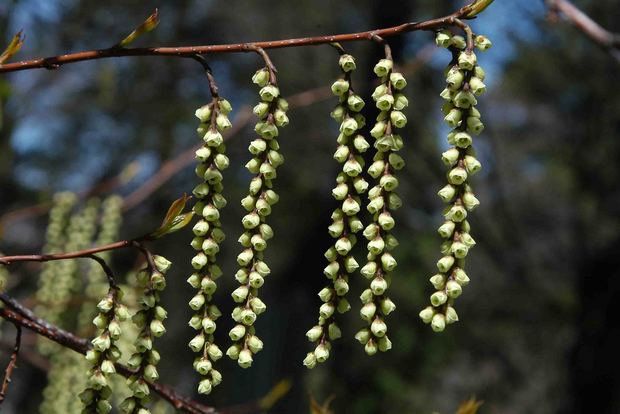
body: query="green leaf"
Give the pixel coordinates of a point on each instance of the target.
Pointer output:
(13, 47)
(175, 218)
(477, 7)
(148, 25)
(470, 406)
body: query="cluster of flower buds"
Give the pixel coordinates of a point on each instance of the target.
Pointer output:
(104, 353)
(207, 238)
(266, 158)
(345, 222)
(465, 81)
(149, 320)
(383, 200)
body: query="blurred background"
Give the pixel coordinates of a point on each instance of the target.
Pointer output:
(538, 330)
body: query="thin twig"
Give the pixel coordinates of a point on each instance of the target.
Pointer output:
(54, 62)
(598, 34)
(8, 372)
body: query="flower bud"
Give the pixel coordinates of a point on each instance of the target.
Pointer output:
(456, 213)
(321, 352)
(237, 332)
(386, 221)
(368, 311)
(378, 130)
(281, 118)
(233, 351)
(261, 77)
(398, 80)
(453, 118)
(470, 201)
(378, 286)
(340, 87)
(197, 342)
(464, 99)
(454, 289)
(343, 246)
(248, 317)
(310, 360)
(369, 269)
(269, 92)
(387, 306)
(250, 221)
(445, 264)
(398, 119)
(451, 316)
(347, 62)
(341, 287)
(438, 323)
(355, 103)
(467, 60)
(388, 262)
(383, 67)
(482, 43)
(370, 348)
(343, 305)
(197, 302)
(350, 206)
(208, 325)
(326, 310)
(454, 80)
(213, 138)
(240, 294)
(472, 164)
(457, 176)
(349, 126)
(385, 102)
(438, 298)
(314, 334)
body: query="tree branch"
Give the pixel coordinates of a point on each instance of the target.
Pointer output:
(82, 345)
(607, 40)
(12, 363)
(54, 62)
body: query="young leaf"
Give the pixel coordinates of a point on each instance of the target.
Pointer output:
(469, 407)
(477, 7)
(148, 25)
(175, 219)
(13, 47)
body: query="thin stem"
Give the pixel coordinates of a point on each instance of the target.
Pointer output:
(8, 372)
(54, 62)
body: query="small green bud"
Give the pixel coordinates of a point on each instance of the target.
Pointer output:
(386, 221)
(261, 77)
(369, 269)
(208, 325)
(321, 352)
(454, 289)
(281, 118)
(363, 336)
(443, 38)
(464, 99)
(255, 345)
(331, 270)
(445, 264)
(340, 87)
(385, 102)
(474, 125)
(101, 342)
(467, 60)
(370, 348)
(310, 360)
(378, 328)
(446, 229)
(343, 305)
(204, 113)
(383, 67)
(233, 351)
(384, 344)
(453, 118)
(387, 306)
(398, 80)
(368, 311)
(477, 86)
(237, 332)
(349, 126)
(427, 314)
(245, 358)
(470, 201)
(341, 287)
(458, 42)
(315, 333)
(482, 43)
(326, 310)
(248, 317)
(197, 342)
(451, 316)
(472, 165)
(439, 298)
(343, 246)
(213, 138)
(456, 213)
(334, 331)
(222, 122)
(240, 294)
(378, 130)
(355, 103)
(197, 301)
(457, 176)
(347, 62)
(438, 323)
(455, 79)
(378, 286)
(388, 262)
(326, 294)
(398, 119)
(269, 92)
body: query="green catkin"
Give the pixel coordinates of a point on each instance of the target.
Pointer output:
(266, 157)
(104, 353)
(464, 80)
(96, 282)
(345, 222)
(149, 320)
(207, 238)
(383, 200)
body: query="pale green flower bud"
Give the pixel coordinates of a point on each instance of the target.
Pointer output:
(443, 38)
(360, 185)
(248, 317)
(482, 43)
(208, 325)
(370, 348)
(258, 243)
(479, 73)
(350, 264)
(213, 138)
(331, 270)
(342, 153)
(338, 113)
(265, 231)
(468, 240)
(202, 154)
(472, 164)
(367, 296)
(378, 130)
(253, 165)
(438, 281)
(262, 207)
(262, 268)
(459, 250)
(210, 213)
(256, 280)
(240, 294)
(310, 360)
(202, 366)
(100, 321)
(350, 206)
(197, 301)
(114, 328)
(340, 191)
(369, 269)
(257, 146)
(387, 306)
(470, 201)
(245, 358)
(341, 287)
(233, 351)
(326, 294)
(222, 122)
(378, 286)
(438, 323)
(388, 262)
(446, 229)
(462, 140)
(398, 119)
(105, 305)
(255, 345)
(445, 264)
(321, 352)
(261, 77)
(336, 229)
(281, 118)
(101, 342)
(398, 80)
(250, 221)
(376, 246)
(204, 113)
(439, 298)
(378, 328)
(355, 103)
(427, 314)
(343, 246)
(197, 342)
(334, 331)
(258, 306)
(343, 305)
(451, 316)
(221, 161)
(456, 213)
(376, 168)
(237, 332)
(450, 157)
(464, 99)
(474, 125)
(454, 289)
(457, 176)
(326, 310)
(349, 126)
(383, 67)
(315, 333)
(269, 92)
(266, 130)
(477, 86)
(454, 80)
(340, 87)
(379, 91)
(385, 102)
(368, 311)
(347, 63)
(386, 221)
(467, 60)
(453, 118)
(447, 95)
(261, 109)
(388, 182)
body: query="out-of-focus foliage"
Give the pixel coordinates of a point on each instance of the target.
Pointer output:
(537, 331)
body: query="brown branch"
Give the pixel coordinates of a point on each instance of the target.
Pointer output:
(82, 345)
(54, 62)
(604, 38)
(7, 260)
(8, 372)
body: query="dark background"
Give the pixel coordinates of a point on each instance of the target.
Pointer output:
(538, 330)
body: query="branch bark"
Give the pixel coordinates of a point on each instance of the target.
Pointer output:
(55, 62)
(598, 34)
(12, 363)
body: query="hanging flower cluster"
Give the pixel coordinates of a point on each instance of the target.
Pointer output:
(104, 353)
(149, 319)
(383, 200)
(208, 236)
(271, 112)
(465, 81)
(345, 221)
